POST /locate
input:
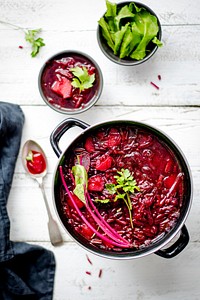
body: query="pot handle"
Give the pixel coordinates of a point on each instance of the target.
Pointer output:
(61, 129)
(177, 247)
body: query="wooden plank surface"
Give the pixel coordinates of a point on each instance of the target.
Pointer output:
(127, 94)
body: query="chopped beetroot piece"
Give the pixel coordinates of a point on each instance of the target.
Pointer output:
(91, 70)
(152, 83)
(85, 160)
(89, 260)
(175, 186)
(78, 99)
(104, 163)
(20, 47)
(159, 77)
(88, 273)
(62, 87)
(101, 134)
(86, 231)
(114, 138)
(168, 166)
(79, 203)
(96, 183)
(89, 145)
(169, 181)
(100, 273)
(160, 180)
(145, 140)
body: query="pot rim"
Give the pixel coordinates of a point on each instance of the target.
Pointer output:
(173, 232)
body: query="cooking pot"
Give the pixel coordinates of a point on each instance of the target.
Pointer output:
(158, 247)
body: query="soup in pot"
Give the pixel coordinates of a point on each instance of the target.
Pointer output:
(122, 188)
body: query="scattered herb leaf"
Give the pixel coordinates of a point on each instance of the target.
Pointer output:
(37, 43)
(31, 37)
(82, 79)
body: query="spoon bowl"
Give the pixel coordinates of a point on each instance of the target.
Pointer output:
(30, 145)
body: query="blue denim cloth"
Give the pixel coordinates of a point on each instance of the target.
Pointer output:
(26, 271)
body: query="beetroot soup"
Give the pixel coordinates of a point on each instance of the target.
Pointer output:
(35, 162)
(69, 81)
(122, 188)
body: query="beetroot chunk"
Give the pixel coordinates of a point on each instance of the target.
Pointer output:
(104, 163)
(114, 138)
(62, 87)
(78, 202)
(89, 145)
(96, 183)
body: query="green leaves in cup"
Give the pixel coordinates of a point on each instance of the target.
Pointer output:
(129, 30)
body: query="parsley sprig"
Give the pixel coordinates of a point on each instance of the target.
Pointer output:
(31, 37)
(125, 186)
(37, 43)
(82, 80)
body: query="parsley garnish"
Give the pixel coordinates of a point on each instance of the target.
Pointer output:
(125, 186)
(36, 43)
(30, 36)
(29, 157)
(82, 79)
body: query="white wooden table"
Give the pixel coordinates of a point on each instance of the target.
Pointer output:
(127, 94)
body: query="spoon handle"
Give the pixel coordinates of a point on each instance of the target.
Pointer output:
(54, 231)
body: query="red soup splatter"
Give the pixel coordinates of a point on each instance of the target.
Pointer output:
(116, 156)
(35, 162)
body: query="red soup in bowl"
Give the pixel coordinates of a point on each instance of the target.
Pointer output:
(70, 82)
(122, 188)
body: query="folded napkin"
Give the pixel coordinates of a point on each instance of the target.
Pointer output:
(26, 271)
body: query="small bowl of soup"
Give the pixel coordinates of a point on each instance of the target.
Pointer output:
(70, 82)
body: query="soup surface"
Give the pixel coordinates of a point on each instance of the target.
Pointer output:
(57, 81)
(134, 181)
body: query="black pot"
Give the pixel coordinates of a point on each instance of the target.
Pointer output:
(156, 247)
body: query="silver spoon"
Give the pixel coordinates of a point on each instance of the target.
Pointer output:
(54, 232)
